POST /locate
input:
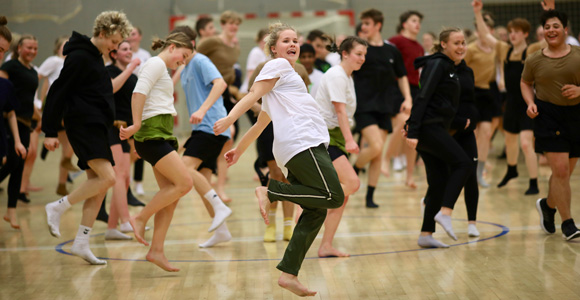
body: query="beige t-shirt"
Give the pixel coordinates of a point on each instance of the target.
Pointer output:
(549, 75)
(483, 63)
(221, 55)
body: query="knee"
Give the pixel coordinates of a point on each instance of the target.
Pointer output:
(561, 171)
(109, 180)
(336, 198)
(376, 147)
(527, 146)
(185, 185)
(351, 186)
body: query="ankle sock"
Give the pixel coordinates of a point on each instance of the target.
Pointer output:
(369, 198)
(288, 228)
(221, 235)
(222, 212)
(445, 222)
(512, 172)
(82, 249)
(53, 212)
(427, 241)
(533, 187)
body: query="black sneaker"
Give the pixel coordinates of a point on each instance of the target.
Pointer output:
(546, 216)
(569, 230)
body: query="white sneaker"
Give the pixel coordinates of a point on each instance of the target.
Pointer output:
(472, 230)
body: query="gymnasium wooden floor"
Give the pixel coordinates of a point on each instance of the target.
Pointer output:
(513, 258)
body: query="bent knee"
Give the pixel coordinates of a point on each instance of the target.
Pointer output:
(336, 199)
(185, 185)
(351, 187)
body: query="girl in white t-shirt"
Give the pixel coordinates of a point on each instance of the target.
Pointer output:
(152, 129)
(337, 100)
(300, 141)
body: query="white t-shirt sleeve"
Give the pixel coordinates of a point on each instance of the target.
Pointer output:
(337, 90)
(48, 67)
(274, 69)
(150, 73)
(255, 57)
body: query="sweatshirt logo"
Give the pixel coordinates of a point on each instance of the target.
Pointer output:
(451, 75)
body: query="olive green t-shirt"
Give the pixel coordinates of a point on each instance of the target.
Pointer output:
(483, 63)
(221, 55)
(549, 75)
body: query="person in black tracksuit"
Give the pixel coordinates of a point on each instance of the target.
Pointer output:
(462, 129)
(446, 163)
(82, 96)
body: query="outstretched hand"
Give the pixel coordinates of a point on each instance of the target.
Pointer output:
(548, 4)
(477, 6)
(232, 156)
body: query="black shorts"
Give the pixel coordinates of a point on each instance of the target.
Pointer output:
(515, 118)
(265, 142)
(557, 128)
(114, 139)
(484, 101)
(89, 141)
(499, 99)
(153, 150)
(335, 153)
(365, 119)
(207, 147)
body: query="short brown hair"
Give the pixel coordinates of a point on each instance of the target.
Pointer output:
(374, 14)
(405, 16)
(230, 15)
(202, 23)
(519, 23)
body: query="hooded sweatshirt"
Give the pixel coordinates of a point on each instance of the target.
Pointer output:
(83, 93)
(467, 109)
(439, 95)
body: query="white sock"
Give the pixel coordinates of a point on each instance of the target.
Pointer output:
(126, 227)
(82, 249)
(222, 212)
(53, 212)
(221, 235)
(427, 241)
(114, 234)
(472, 230)
(445, 222)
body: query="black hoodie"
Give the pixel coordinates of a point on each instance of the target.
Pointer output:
(467, 109)
(83, 93)
(439, 95)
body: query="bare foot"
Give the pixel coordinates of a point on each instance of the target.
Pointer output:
(411, 184)
(264, 202)
(32, 188)
(224, 197)
(291, 283)
(385, 169)
(11, 218)
(138, 230)
(161, 261)
(329, 251)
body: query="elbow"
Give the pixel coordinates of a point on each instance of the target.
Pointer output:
(223, 85)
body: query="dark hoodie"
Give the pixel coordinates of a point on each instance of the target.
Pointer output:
(467, 108)
(439, 95)
(83, 93)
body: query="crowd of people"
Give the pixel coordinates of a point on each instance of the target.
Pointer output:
(435, 102)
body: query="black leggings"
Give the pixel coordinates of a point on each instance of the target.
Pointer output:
(447, 166)
(471, 190)
(15, 164)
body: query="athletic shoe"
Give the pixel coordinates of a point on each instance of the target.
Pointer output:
(569, 230)
(546, 215)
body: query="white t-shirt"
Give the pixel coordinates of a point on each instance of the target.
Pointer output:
(336, 86)
(143, 55)
(155, 83)
(333, 58)
(315, 77)
(298, 124)
(256, 57)
(50, 68)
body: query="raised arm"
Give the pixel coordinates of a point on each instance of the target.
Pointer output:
(120, 80)
(484, 34)
(251, 135)
(258, 90)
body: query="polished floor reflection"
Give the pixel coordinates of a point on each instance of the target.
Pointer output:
(512, 259)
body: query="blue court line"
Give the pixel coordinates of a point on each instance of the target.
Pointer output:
(504, 230)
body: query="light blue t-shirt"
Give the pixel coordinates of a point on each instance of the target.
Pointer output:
(196, 80)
